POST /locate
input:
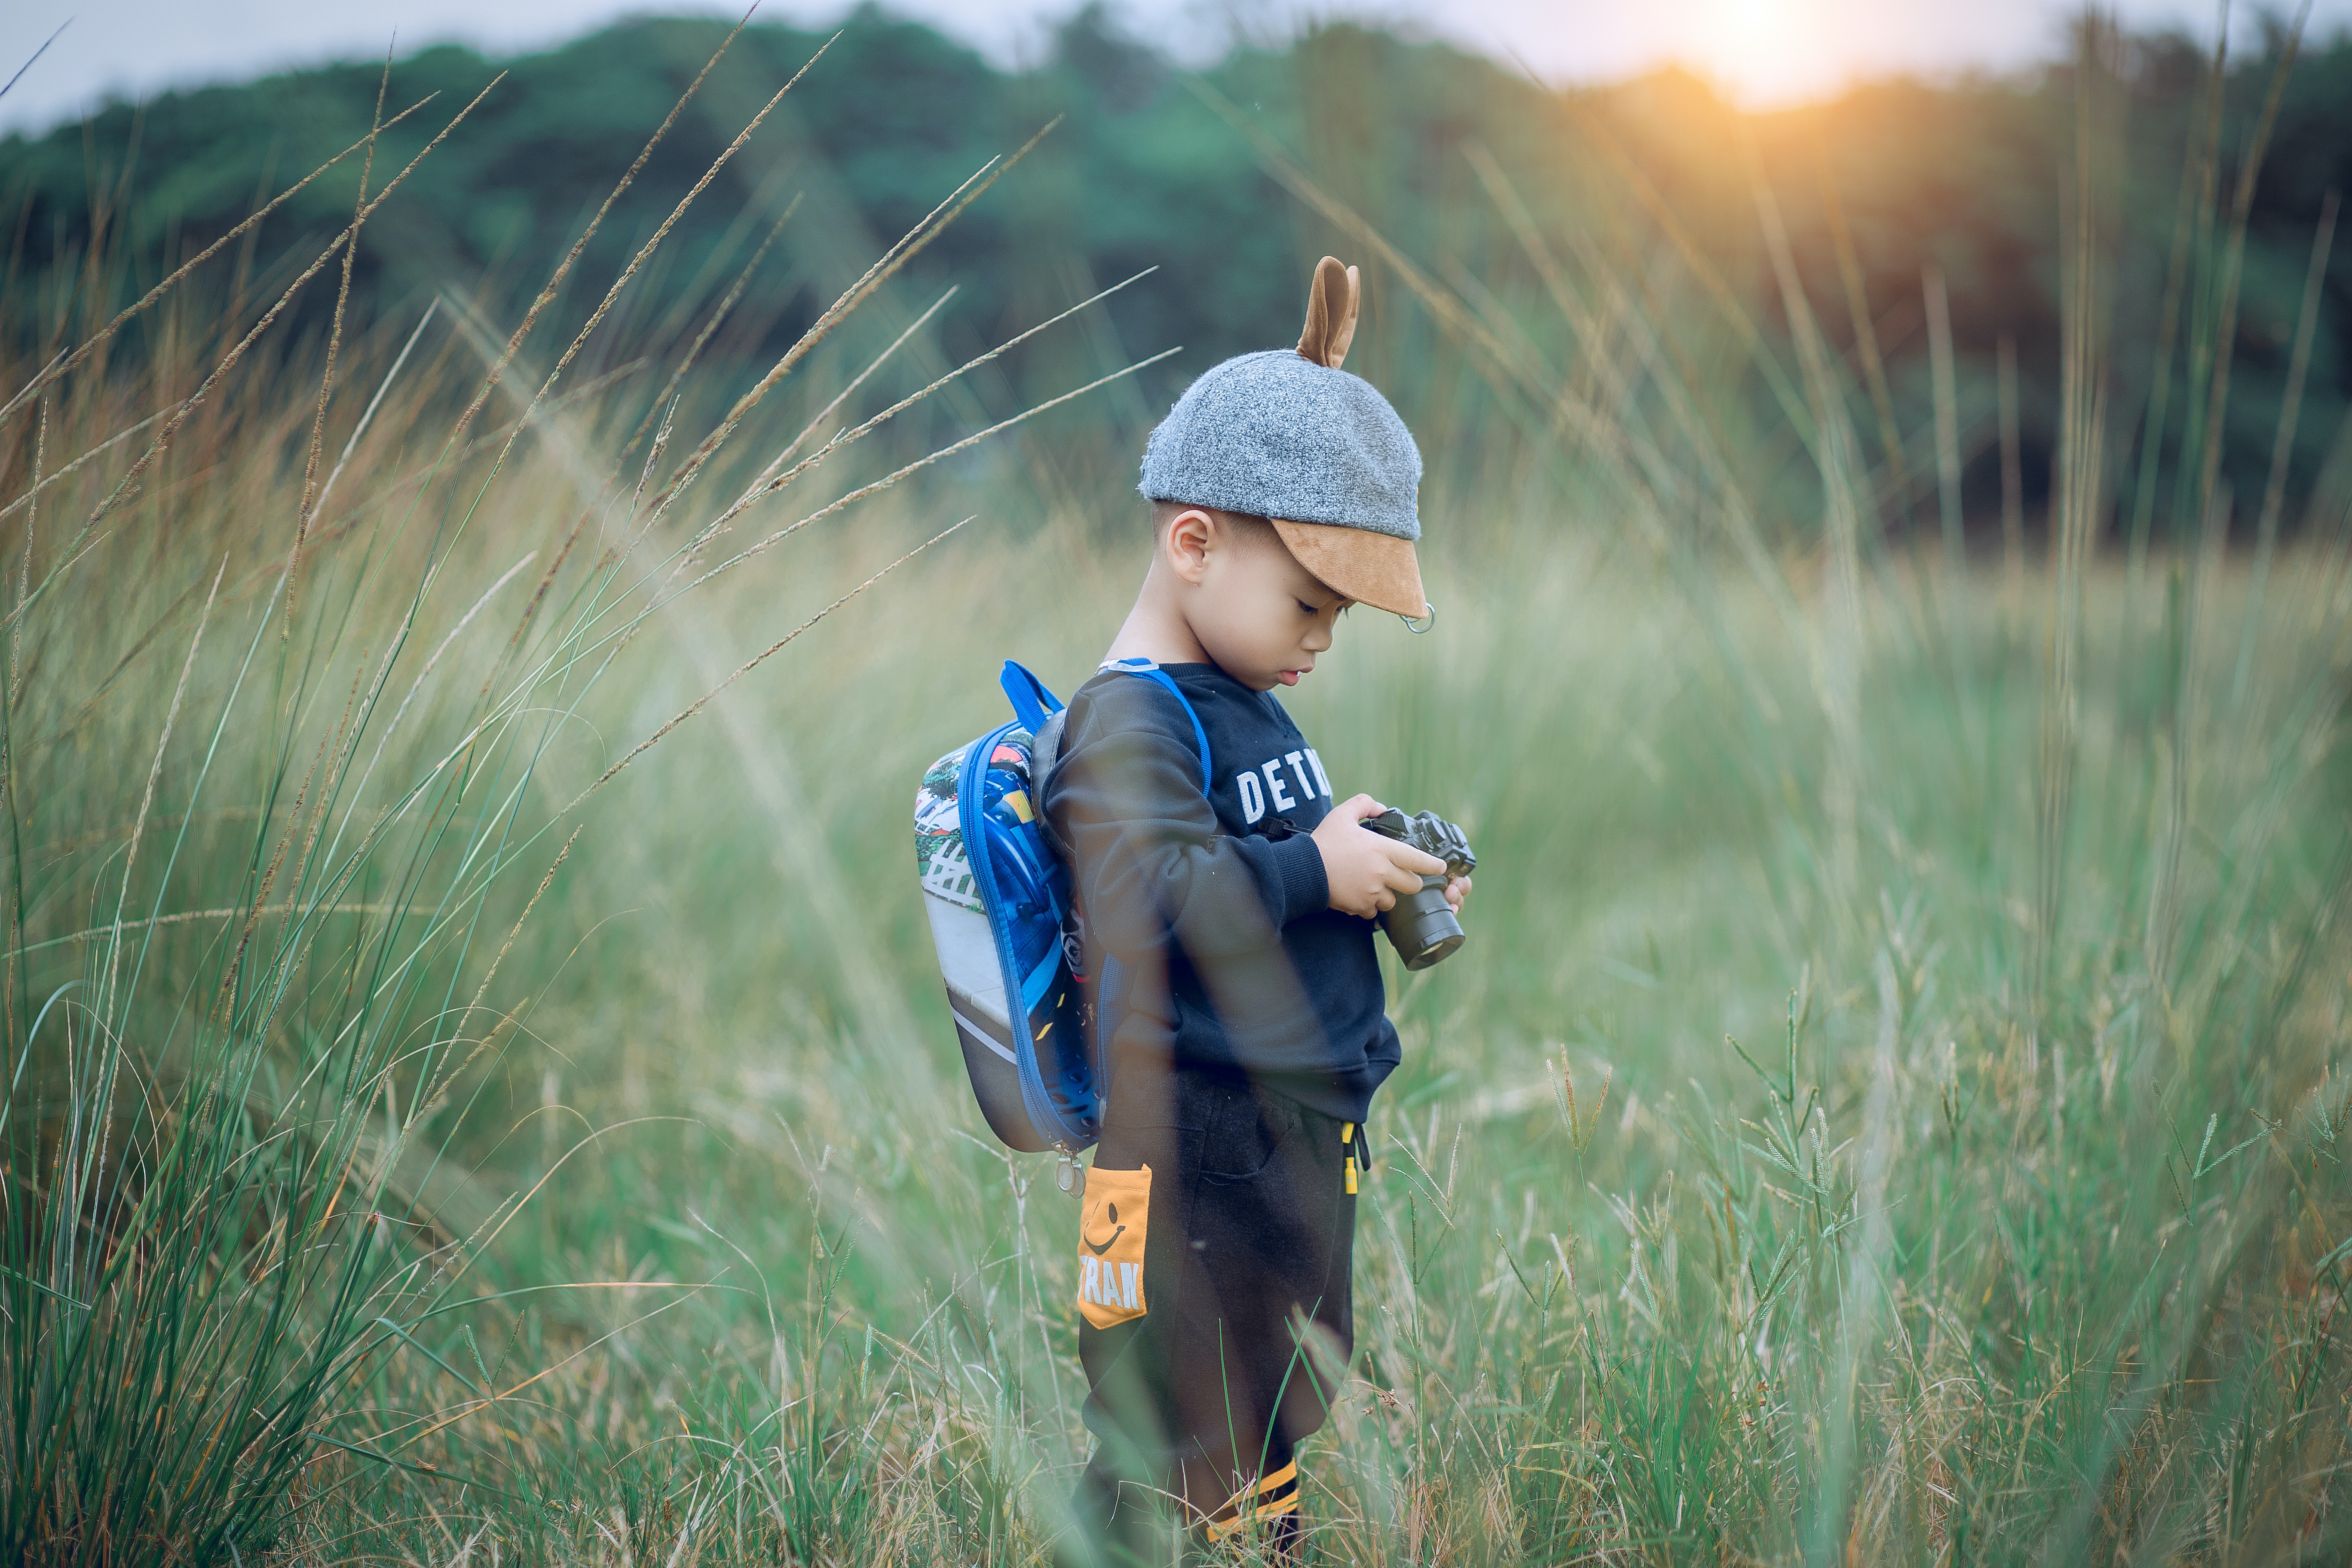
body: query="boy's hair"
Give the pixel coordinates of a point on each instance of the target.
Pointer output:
(1246, 524)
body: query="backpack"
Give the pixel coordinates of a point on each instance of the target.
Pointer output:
(1005, 925)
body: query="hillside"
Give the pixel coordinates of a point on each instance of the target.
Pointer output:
(1142, 169)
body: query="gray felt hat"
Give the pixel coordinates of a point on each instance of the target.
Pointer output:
(1288, 436)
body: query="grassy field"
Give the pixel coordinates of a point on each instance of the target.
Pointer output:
(1891, 1108)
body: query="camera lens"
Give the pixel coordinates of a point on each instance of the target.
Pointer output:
(1423, 927)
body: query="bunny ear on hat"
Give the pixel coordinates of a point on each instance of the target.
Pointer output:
(1331, 301)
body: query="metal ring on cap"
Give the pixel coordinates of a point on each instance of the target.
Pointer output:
(1427, 622)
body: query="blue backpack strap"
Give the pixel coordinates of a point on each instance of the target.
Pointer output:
(1158, 676)
(1032, 702)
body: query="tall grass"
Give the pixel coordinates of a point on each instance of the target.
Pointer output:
(275, 827)
(1891, 1108)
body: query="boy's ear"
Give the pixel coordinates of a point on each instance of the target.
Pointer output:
(1331, 303)
(1187, 538)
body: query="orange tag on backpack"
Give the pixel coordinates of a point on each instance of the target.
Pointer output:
(1111, 1245)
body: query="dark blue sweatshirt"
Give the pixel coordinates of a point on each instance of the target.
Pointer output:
(1217, 906)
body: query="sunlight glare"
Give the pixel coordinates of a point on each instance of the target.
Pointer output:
(1760, 50)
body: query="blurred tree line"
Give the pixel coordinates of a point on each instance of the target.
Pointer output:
(1151, 167)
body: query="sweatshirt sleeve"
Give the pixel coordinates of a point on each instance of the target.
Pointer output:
(1150, 861)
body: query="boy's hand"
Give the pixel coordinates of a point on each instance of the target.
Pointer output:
(1456, 890)
(1365, 871)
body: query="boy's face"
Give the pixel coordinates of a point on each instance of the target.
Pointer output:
(1257, 612)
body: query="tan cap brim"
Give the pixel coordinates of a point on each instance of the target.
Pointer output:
(1376, 569)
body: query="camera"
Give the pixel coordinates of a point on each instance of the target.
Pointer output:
(1421, 926)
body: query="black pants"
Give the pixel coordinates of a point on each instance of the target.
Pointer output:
(1250, 1316)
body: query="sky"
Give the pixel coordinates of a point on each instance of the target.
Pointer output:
(1765, 53)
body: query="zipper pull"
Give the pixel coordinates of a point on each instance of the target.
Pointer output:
(1068, 1175)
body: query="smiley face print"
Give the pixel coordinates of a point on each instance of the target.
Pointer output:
(1111, 1245)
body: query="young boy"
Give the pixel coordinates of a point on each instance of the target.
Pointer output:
(1229, 923)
